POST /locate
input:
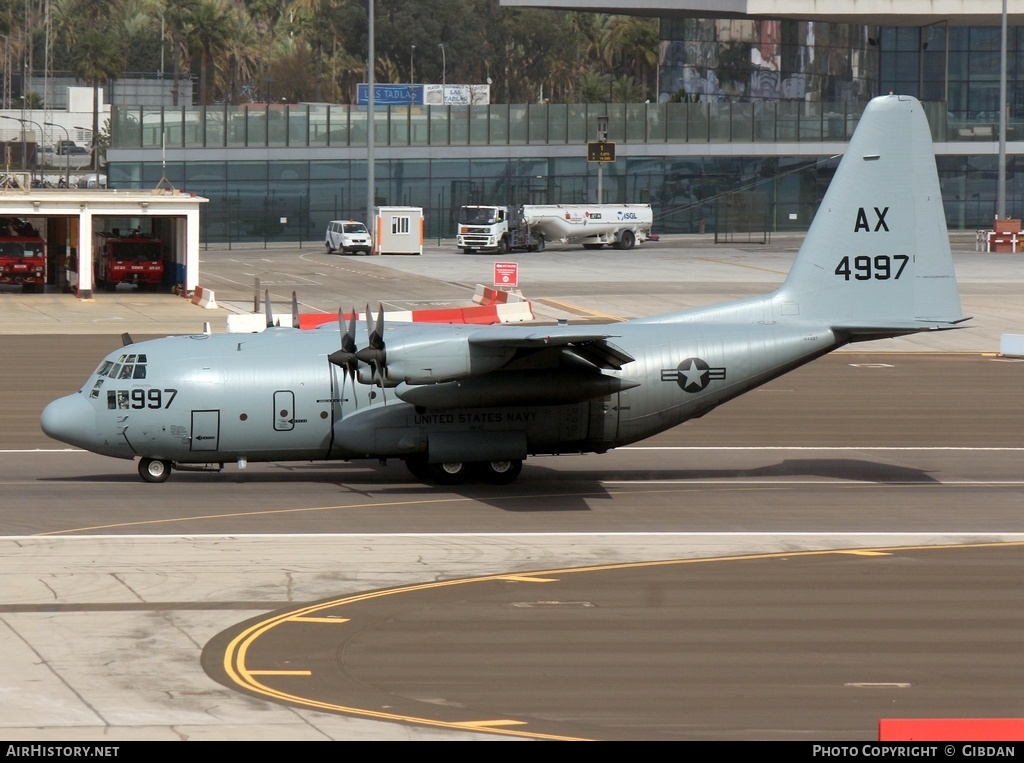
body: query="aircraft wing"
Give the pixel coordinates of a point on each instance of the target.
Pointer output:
(591, 346)
(451, 366)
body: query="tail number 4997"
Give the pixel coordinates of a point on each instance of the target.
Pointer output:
(881, 267)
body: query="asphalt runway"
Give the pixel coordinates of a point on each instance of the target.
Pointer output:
(840, 546)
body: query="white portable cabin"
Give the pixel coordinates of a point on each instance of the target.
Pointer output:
(398, 230)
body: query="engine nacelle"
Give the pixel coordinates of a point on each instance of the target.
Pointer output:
(429, 358)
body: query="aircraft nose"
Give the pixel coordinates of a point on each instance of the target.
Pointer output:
(70, 419)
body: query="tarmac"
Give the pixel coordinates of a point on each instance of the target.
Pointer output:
(103, 636)
(991, 288)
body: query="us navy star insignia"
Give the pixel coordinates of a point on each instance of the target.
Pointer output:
(693, 375)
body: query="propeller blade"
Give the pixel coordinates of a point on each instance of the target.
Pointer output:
(374, 354)
(348, 339)
(346, 356)
(295, 310)
(269, 312)
(377, 340)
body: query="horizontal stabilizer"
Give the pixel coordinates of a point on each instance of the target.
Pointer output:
(866, 332)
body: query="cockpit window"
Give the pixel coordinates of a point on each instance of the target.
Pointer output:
(128, 366)
(118, 398)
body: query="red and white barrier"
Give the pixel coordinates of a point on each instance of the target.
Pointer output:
(484, 315)
(485, 295)
(204, 298)
(494, 306)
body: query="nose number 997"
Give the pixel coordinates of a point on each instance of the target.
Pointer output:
(152, 398)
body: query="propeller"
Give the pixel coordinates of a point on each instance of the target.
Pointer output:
(269, 312)
(295, 310)
(375, 353)
(345, 358)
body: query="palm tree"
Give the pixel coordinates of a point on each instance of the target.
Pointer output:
(176, 15)
(207, 34)
(96, 60)
(241, 55)
(629, 45)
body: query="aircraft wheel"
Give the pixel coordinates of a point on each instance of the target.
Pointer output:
(418, 467)
(500, 472)
(627, 240)
(154, 470)
(451, 473)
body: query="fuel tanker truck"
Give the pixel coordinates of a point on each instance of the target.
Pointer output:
(531, 226)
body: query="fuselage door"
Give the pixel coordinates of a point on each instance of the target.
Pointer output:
(205, 430)
(284, 410)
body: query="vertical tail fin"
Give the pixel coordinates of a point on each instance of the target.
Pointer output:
(876, 260)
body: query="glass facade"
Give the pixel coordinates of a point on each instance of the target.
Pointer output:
(957, 65)
(745, 107)
(712, 59)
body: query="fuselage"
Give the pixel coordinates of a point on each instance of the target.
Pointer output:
(275, 396)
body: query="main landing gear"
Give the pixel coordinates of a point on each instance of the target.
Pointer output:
(154, 469)
(458, 472)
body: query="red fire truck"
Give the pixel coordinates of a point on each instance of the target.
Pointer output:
(132, 258)
(22, 255)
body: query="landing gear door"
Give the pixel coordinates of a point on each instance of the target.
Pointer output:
(604, 419)
(205, 430)
(284, 410)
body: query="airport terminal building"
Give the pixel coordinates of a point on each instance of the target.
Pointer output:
(754, 107)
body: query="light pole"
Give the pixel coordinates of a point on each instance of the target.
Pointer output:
(371, 126)
(67, 156)
(24, 155)
(412, 71)
(1003, 105)
(38, 145)
(94, 157)
(444, 65)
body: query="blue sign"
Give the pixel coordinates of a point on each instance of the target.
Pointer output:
(390, 95)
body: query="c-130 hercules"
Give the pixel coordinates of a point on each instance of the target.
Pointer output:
(459, 402)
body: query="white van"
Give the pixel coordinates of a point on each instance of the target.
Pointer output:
(92, 181)
(346, 237)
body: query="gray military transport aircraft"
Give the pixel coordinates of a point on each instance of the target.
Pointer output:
(459, 402)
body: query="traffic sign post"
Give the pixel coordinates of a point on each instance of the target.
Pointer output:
(506, 274)
(600, 151)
